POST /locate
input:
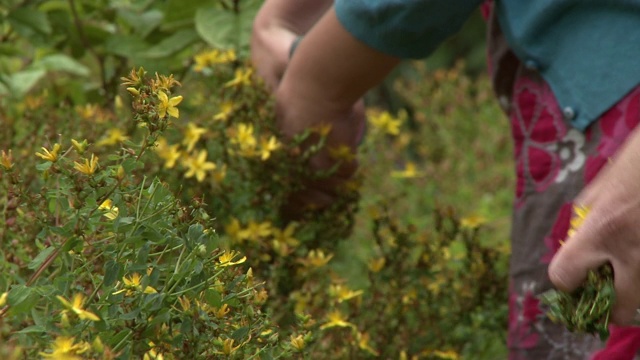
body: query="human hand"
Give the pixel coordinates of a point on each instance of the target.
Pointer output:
(270, 48)
(345, 132)
(609, 233)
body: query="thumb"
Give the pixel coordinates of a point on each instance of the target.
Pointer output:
(579, 254)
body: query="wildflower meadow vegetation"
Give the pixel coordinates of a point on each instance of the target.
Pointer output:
(142, 185)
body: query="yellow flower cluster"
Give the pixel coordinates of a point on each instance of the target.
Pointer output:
(194, 162)
(76, 307)
(247, 145)
(213, 57)
(384, 123)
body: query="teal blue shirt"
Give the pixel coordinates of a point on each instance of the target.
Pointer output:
(587, 50)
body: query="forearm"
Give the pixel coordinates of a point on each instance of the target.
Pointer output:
(330, 71)
(276, 26)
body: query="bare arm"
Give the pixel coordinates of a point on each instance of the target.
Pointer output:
(276, 26)
(330, 71)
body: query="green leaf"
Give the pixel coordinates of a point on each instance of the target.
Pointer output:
(240, 334)
(195, 234)
(180, 13)
(125, 45)
(21, 82)
(38, 260)
(61, 62)
(24, 19)
(112, 272)
(130, 315)
(173, 44)
(218, 27)
(21, 299)
(144, 23)
(33, 329)
(43, 166)
(213, 298)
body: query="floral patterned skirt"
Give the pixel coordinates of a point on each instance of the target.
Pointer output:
(554, 161)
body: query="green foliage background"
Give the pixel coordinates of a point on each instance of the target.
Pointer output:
(409, 264)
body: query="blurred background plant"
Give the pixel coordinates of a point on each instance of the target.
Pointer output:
(149, 224)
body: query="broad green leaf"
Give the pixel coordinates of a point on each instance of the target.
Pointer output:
(225, 29)
(21, 82)
(38, 260)
(213, 298)
(125, 45)
(21, 299)
(144, 23)
(240, 334)
(61, 62)
(173, 44)
(218, 27)
(112, 272)
(180, 13)
(24, 19)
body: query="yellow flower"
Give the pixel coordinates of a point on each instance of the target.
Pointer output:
(220, 174)
(267, 146)
(133, 284)
(286, 236)
(384, 122)
(170, 154)
(255, 231)
(76, 307)
(64, 348)
(88, 111)
(50, 155)
(343, 293)
(448, 355)
(317, 259)
(226, 108)
(297, 342)
(89, 167)
(241, 77)
(341, 153)
(212, 57)
(110, 211)
(222, 311)
(336, 319)
(227, 347)
(226, 259)
(376, 265)
(154, 353)
(363, 344)
(6, 160)
(114, 136)
(198, 166)
(581, 213)
(3, 299)
(245, 140)
(191, 135)
(409, 171)
(168, 106)
(79, 146)
(472, 222)
(165, 82)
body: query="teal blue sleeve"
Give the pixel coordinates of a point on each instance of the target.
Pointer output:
(404, 28)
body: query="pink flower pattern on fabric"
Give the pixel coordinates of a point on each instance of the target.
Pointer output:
(524, 311)
(537, 127)
(558, 232)
(614, 131)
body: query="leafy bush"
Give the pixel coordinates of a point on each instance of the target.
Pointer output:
(154, 230)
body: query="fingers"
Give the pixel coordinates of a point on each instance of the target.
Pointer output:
(569, 267)
(579, 254)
